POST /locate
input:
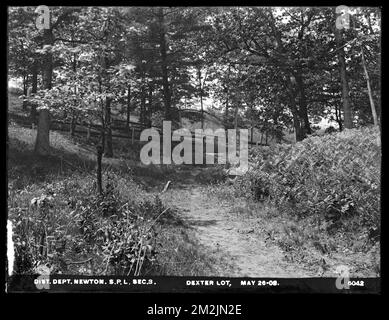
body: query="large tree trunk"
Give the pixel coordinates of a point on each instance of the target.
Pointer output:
(164, 64)
(42, 143)
(303, 103)
(108, 150)
(298, 121)
(348, 121)
(298, 126)
(299, 132)
(34, 90)
(338, 118)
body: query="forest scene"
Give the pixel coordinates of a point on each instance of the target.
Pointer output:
(86, 86)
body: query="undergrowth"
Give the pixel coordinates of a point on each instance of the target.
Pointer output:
(328, 188)
(61, 224)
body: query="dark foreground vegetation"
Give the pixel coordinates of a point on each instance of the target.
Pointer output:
(61, 225)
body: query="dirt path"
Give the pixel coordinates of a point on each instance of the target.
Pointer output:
(234, 238)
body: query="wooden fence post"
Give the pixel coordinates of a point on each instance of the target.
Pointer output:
(99, 157)
(88, 131)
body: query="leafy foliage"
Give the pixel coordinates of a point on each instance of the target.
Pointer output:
(58, 227)
(333, 181)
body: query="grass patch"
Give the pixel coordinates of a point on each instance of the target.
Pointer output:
(61, 225)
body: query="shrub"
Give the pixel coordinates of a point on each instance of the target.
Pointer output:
(67, 223)
(123, 233)
(330, 129)
(213, 174)
(334, 179)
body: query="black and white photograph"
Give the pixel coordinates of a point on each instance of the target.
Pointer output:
(193, 149)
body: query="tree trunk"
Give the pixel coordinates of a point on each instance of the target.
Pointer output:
(102, 116)
(165, 75)
(34, 89)
(150, 107)
(236, 117)
(226, 113)
(348, 121)
(128, 106)
(142, 116)
(372, 106)
(108, 150)
(301, 114)
(179, 114)
(226, 90)
(99, 177)
(103, 133)
(379, 108)
(73, 120)
(72, 124)
(303, 104)
(34, 79)
(42, 143)
(298, 122)
(25, 87)
(25, 84)
(201, 97)
(25, 90)
(202, 111)
(338, 116)
(299, 132)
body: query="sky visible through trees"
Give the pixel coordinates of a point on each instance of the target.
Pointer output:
(274, 69)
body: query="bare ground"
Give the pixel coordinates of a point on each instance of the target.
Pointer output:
(235, 242)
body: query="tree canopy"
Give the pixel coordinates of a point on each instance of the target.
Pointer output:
(267, 68)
